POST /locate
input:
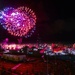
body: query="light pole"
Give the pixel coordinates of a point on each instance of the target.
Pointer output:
(47, 64)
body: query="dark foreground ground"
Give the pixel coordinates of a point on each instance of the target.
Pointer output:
(38, 66)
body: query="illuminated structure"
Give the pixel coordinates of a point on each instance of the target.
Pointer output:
(12, 46)
(18, 22)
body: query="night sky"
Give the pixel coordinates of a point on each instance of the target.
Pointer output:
(55, 20)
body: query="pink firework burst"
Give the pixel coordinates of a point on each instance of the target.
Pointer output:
(20, 21)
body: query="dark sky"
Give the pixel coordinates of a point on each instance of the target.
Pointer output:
(55, 19)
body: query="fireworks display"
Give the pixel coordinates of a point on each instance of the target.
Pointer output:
(18, 22)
